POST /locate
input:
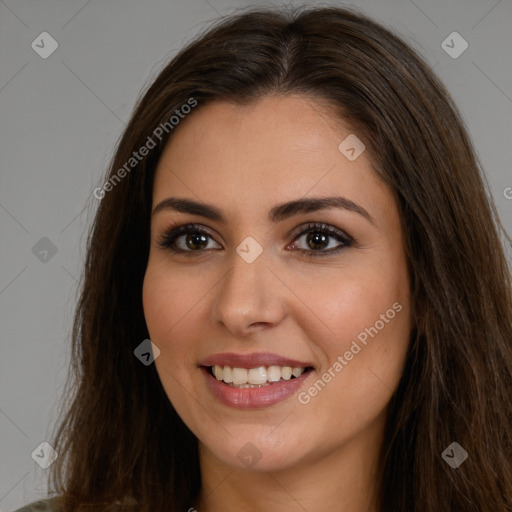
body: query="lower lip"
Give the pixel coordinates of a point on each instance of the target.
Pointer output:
(250, 398)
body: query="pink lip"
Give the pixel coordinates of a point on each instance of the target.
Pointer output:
(252, 398)
(253, 360)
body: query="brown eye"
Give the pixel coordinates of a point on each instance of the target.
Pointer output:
(196, 241)
(189, 238)
(320, 240)
(317, 240)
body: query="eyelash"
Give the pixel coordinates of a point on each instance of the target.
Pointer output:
(167, 240)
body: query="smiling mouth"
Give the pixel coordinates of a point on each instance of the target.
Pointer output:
(255, 377)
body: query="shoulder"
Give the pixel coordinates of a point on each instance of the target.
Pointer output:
(48, 505)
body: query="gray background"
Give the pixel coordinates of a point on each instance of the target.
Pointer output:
(61, 116)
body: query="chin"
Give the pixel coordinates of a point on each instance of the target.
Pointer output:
(260, 451)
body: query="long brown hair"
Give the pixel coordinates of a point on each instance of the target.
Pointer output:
(119, 437)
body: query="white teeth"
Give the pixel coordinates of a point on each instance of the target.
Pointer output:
(286, 372)
(239, 376)
(217, 371)
(274, 373)
(227, 374)
(257, 375)
(297, 372)
(261, 376)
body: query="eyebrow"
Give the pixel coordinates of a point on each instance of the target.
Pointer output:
(278, 213)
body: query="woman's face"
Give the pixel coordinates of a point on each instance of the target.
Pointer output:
(319, 291)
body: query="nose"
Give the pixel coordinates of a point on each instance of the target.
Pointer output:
(250, 297)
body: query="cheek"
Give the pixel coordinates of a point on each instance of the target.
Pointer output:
(177, 316)
(157, 309)
(364, 335)
(170, 321)
(166, 317)
(345, 302)
(167, 299)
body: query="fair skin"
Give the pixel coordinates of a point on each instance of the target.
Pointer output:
(314, 456)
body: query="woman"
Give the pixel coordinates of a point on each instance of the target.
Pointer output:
(295, 295)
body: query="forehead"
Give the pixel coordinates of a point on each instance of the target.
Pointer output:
(277, 148)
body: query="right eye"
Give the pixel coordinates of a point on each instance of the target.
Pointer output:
(187, 238)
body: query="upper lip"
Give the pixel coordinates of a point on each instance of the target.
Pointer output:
(253, 360)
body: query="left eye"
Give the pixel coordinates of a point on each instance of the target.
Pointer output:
(317, 239)
(191, 239)
(194, 237)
